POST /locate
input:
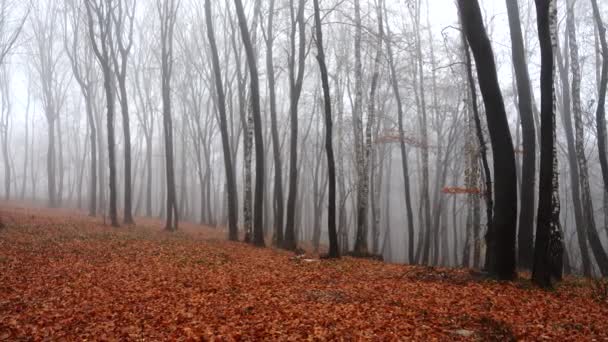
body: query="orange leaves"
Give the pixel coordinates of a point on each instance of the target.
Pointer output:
(64, 276)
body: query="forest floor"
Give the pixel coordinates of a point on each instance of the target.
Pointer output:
(65, 276)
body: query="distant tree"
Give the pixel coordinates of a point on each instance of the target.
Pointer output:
(123, 18)
(221, 107)
(579, 218)
(296, 79)
(46, 56)
(100, 33)
(5, 126)
(334, 251)
(504, 226)
(592, 235)
(81, 59)
(404, 162)
(167, 12)
(11, 25)
(276, 143)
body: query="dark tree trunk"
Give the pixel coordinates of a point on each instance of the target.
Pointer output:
(548, 247)
(295, 89)
(258, 219)
(276, 145)
(334, 251)
(526, 216)
(504, 225)
(168, 17)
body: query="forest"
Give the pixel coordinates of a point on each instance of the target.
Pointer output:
(303, 170)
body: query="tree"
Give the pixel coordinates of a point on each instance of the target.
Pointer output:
(296, 79)
(221, 108)
(590, 227)
(334, 251)
(600, 113)
(404, 162)
(548, 246)
(123, 18)
(167, 12)
(5, 127)
(504, 224)
(524, 96)
(81, 60)
(258, 220)
(10, 30)
(579, 218)
(100, 34)
(276, 144)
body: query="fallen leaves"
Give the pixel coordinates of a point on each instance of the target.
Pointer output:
(66, 276)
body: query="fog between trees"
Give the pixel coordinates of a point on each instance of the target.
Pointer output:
(452, 133)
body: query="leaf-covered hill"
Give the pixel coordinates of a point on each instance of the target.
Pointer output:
(66, 276)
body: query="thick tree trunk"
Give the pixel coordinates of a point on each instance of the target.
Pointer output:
(504, 225)
(295, 89)
(548, 246)
(526, 215)
(276, 144)
(258, 224)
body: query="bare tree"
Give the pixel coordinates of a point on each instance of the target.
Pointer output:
(524, 96)
(221, 107)
(548, 246)
(100, 34)
(82, 59)
(258, 218)
(503, 259)
(123, 18)
(296, 79)
(167, 12)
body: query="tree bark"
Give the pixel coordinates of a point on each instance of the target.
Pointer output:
(525, 237)
(258, 224)
(548, 249)
(504, 225)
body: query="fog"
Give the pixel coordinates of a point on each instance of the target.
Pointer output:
(62, 59)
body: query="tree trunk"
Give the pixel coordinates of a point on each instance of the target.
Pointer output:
(276, 145)
(548, 247)
(504, 225)
(590, 227)
(258, 224)
(295, 89)
(526, 215)
(579, 218)
(404, 162)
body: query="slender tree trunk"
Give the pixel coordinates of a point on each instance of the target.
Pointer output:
(295, 88)
(592, 235)
(579, 218)
(334, 250)
(404, 162)
(276, 145)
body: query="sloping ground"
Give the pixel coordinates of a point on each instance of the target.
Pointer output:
(66, 276)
